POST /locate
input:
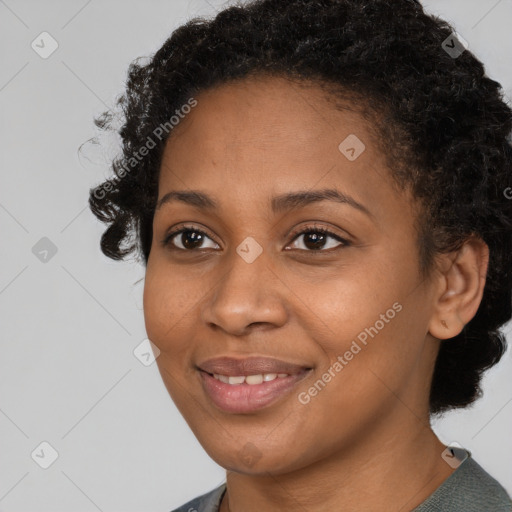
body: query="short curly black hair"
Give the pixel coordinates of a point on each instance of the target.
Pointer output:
(445, 129)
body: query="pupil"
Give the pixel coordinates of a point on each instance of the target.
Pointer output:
(318, 239)
(188, 238)
(192, 239)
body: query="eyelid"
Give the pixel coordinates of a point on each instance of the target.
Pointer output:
(315, 227)
(301, 230)
(181, 228)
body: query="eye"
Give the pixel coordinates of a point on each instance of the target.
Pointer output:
(315, 238)
(191, 239)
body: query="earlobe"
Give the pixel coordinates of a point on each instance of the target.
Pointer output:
(461, 286)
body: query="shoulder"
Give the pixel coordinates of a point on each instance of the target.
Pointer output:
(208, 502)
(468, 489)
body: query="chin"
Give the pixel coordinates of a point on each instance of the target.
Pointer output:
(246, 458)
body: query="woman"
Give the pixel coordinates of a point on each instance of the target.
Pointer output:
(317, 189)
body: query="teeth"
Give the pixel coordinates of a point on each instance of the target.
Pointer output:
(254, 379)
(249, 379)
(236, 380)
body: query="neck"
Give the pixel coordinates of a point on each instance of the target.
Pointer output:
(370, 474)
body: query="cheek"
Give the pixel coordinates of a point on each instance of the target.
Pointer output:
(155, 307)
(344, 304)
(358, 382)
(372, 321)
(166, 304)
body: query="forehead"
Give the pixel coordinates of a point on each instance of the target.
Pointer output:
(261, 113)
(264, 136)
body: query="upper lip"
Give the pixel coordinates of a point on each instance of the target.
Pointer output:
(231, 366)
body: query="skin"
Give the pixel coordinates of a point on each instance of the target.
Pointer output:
(364, 440)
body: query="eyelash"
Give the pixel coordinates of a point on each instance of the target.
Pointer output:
(167, 241)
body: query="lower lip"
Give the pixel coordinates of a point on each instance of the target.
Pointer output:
(244, 398)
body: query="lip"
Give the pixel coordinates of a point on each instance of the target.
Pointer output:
(247, 398)
(233, 367)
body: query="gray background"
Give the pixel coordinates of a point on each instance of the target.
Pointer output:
(69, 324)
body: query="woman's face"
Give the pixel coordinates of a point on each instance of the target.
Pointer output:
(262, 282)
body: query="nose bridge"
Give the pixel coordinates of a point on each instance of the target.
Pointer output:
(247, 291)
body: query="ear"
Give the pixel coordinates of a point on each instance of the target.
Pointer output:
(461, 281)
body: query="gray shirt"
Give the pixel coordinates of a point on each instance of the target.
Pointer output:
(468, 489)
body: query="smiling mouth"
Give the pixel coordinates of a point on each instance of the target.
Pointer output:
(245, 385)
(244, 394)
(251, 380)
(230, 366)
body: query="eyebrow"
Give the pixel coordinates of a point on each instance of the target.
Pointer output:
(279, 203)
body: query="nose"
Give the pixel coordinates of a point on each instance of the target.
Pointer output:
(247, 296)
